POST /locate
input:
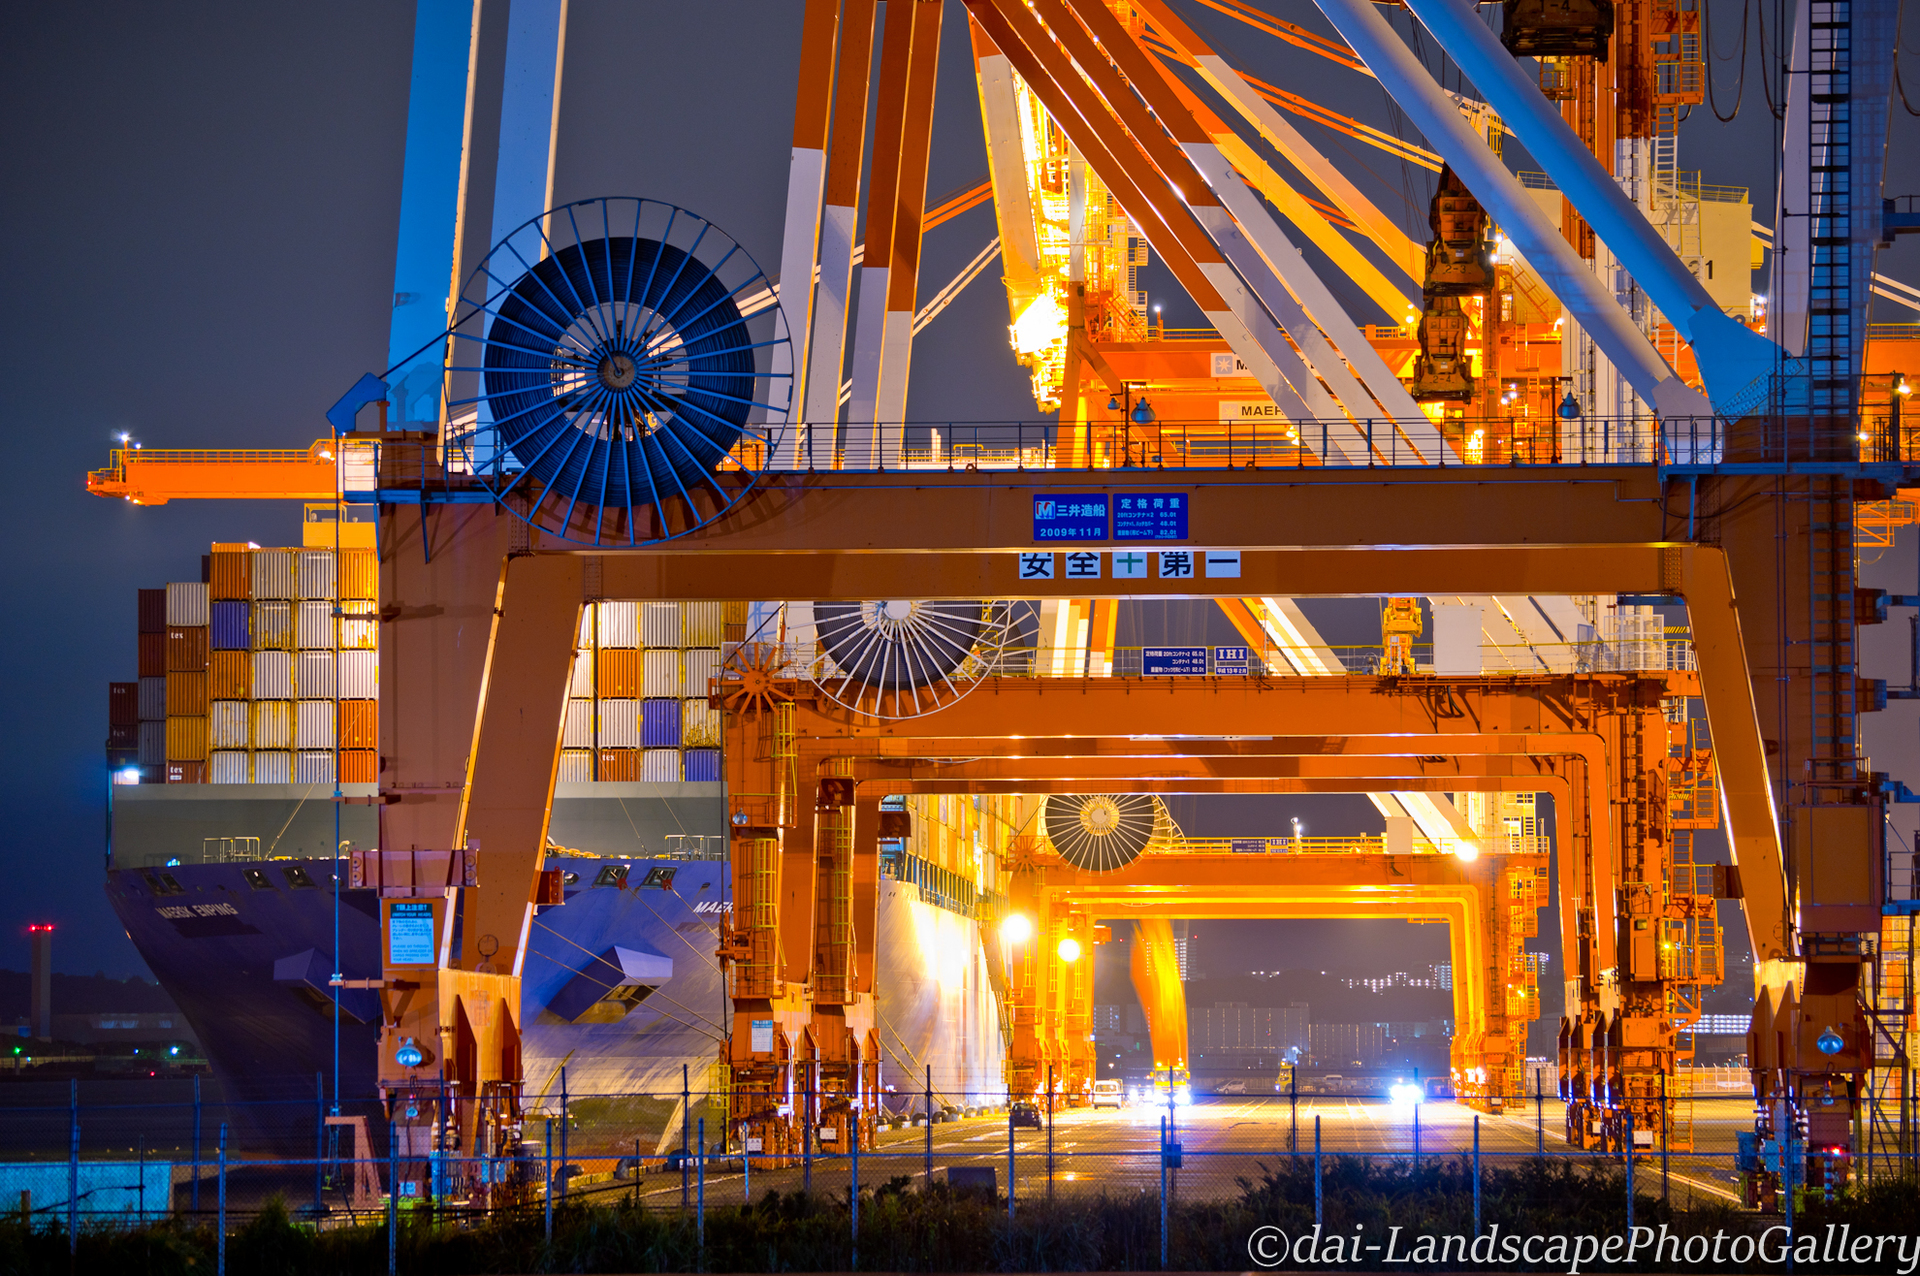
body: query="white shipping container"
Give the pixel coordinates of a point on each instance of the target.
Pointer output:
(186, 605)
(273, 675)
(576, 766)
(660, 766)
(272, 725)
(578, 732)
(619, 724)
(580, 681)
(313, 724)
(359, 635)
(230, 726)
(312, 766)
(700, 665)
(705, 626)
(359, 675)
(153, 699)
(230, 766)
(314, 627)
(153, 743)
(272, 626)
(660, 625)
(586, 626)
(313, 675)
(617, 623)
(317, 576)
(274, 767)
(660, 673)
(699, 725)
(273, 574)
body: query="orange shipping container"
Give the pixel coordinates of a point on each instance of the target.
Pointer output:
(359, 724)
(619, 673)
(359, 574)
(359, 766)
(187, 648)
(186, 739)
(620, 765)
(232, 575)
(187, 696)
(230, 675)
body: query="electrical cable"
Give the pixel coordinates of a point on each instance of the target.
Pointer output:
(1740, 91)
(1778, 109)
(1900, 87)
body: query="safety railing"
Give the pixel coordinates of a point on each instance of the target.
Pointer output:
(410, 470)
(1626, 655)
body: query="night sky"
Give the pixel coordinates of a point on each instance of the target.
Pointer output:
(201, 204)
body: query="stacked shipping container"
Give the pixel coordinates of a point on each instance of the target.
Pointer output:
(637, 705)
(264, 672)
(267, 669)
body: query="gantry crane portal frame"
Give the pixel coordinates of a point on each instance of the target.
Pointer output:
(480, 599)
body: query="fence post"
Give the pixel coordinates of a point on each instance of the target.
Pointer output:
(700, 1194)
(1009, 1155)
(1416, 1137)
(853, 1190)
(1666, 1124)
(1163, 1193)
(220, 1188)
(1316, 1169)
(563, 1131)
(393, 1190)
(1293, 1110)
(927, 1110)
(548, 1194)
(196, 1144)
(1539, 1117)
(1787, 1176)
(73, 1165)
(806, 1134)
(686, 1118)
(143, 1180)
(1476, 1174)
(1049, 1132)
(319, 1134)
(1628, 1113)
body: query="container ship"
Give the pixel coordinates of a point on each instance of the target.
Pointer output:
(256, 701)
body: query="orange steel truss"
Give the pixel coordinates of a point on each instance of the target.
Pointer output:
(1601, 744)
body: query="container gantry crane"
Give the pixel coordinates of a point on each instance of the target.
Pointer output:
(1740, 501)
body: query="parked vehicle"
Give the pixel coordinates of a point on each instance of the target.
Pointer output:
(1026, 1114)
(1108, 1094)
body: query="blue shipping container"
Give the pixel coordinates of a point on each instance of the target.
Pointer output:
(703, 766)
(230, 626)
(659, 724)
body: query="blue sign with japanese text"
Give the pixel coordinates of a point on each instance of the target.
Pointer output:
(1150, 516)
(1158, 662)
(1070, 516)
(1229, 659)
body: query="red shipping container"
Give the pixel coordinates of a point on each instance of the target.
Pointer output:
(123, 703)
(123, 735)
(186, 773)
(153, 611)
(621, 765)
(187, 649)
(153, 655)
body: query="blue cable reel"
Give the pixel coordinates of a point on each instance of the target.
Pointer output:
(620, 373)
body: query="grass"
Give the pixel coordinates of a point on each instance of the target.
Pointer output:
(940, 1230)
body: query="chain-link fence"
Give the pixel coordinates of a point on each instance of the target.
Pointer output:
(431, 1161)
